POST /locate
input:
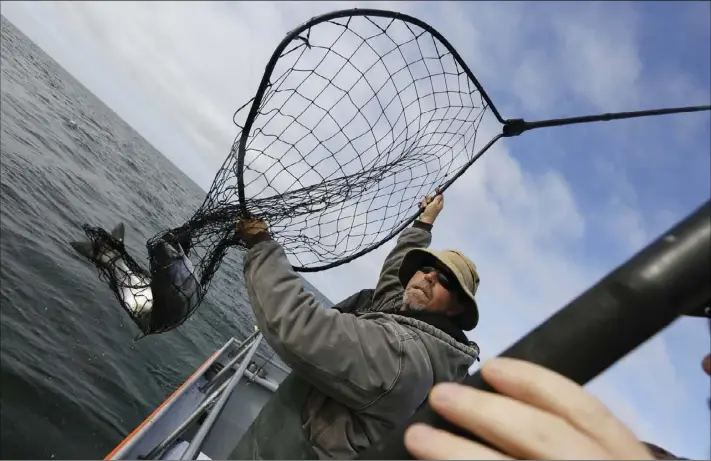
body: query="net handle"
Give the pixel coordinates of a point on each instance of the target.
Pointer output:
(668, 278)
(518, 126)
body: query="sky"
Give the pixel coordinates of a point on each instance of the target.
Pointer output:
(544, 215)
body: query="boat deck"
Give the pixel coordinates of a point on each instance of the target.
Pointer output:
(207, 415)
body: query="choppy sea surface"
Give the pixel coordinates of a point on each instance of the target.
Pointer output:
(74, 382)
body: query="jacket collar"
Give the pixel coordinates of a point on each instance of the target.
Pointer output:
(467, 347)
(440, 322)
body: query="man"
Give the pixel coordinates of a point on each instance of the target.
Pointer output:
(357, 376)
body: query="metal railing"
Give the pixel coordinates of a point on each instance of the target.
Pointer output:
(206, 426)
(213, 403)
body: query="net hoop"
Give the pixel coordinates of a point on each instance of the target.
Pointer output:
(295, 34)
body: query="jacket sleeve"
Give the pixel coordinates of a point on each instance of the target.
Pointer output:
(417, 236)
(350, 359)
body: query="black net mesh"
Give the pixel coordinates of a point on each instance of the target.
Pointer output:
(357, 118)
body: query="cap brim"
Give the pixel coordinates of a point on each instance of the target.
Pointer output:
(419, 257)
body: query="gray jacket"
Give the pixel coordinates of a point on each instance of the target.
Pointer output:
(369, 372)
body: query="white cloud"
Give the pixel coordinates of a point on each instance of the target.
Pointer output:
(608, 65)
(627, 223)
(195, 63)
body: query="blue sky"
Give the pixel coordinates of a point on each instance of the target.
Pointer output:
(543, 215)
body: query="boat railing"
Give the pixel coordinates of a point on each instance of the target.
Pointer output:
(242, 349)
(205, 427)
(215, 402)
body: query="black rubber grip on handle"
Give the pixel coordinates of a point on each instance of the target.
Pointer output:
(668, 278)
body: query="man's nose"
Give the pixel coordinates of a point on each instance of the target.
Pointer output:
(431, 277)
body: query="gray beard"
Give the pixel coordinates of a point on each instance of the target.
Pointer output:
(409, 305)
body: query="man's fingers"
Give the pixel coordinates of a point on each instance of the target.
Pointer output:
(556, 394)
(250, 226)
(517, 429)
(436, 197)
(425, 442)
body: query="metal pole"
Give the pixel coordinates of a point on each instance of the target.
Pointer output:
(242, 348)
(158, 450)
(196, 442)
(668, 278)
(265, 383)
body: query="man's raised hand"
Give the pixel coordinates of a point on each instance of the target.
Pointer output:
(249, 227)
(431, 207)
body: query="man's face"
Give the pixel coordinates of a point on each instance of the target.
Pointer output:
(429, 290)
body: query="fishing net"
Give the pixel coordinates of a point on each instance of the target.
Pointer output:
(357, 118)
(359, 115)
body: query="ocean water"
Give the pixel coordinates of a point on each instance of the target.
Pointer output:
(73, 380)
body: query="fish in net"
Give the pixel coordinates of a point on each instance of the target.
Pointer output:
(359, 114)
